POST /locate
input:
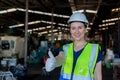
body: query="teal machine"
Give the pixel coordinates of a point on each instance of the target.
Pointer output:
(36, 55)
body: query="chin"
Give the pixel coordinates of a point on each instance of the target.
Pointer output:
(77, 39)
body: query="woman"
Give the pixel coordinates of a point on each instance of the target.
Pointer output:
(81, 60)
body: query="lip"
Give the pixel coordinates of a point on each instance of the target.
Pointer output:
(77, 35)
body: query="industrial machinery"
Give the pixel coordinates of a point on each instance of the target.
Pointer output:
(12, 46)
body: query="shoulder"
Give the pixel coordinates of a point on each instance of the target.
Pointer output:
(99, 53)
(94, 45)
(66, 45)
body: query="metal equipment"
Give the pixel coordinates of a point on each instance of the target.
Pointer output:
(12, 46)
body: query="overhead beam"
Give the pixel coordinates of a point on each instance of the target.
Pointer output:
(72, 4)
(15, 3)
(8, 3)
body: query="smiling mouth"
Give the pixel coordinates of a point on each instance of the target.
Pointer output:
(77, 35)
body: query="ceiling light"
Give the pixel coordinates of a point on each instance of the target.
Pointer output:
(44, 13)
(36, 22)
(32, 11)
(18, 25)
(107, 24)
(48, 26)
(29, 30)
(55, 30)
(115, 9)
(8, 10)
(2, 12)
(87, 10)
(11, 10)
(91, 11)
(79, 11)
(44, 32)
(91, 23)
(110, 20)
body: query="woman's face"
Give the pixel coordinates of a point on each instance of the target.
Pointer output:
(77, 30)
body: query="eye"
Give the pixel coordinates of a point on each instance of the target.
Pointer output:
(73, 28)
(80, 27)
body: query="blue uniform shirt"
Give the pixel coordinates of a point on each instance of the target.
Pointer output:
(76, 54)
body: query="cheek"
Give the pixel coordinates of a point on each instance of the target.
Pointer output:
(71, 31)
(83, 31)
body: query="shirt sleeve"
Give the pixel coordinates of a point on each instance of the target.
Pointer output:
(100, 57)
(61, 49)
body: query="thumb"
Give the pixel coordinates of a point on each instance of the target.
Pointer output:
(51, 54)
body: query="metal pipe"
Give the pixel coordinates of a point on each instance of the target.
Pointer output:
(118, 30)
(26, 38)
(52, 19)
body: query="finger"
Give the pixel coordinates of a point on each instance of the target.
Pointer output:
(50, 54)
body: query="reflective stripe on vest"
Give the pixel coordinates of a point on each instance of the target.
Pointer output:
(85, 71)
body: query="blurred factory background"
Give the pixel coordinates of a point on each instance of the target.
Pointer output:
(29, 27)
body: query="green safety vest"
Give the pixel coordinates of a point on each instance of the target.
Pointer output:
(85, 64)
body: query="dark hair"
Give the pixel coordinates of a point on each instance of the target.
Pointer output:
(85, 24)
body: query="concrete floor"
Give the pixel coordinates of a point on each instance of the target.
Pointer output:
(35, 73)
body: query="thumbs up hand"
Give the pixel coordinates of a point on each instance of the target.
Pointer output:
(51, 54)
(50, 62)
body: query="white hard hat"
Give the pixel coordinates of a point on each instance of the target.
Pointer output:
(78, 16)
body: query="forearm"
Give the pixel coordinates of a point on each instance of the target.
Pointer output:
(98, 71)
(98, 77)
(59, 59)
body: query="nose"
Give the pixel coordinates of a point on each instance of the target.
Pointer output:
(77, 30)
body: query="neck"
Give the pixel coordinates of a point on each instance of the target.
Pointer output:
(79, 43)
